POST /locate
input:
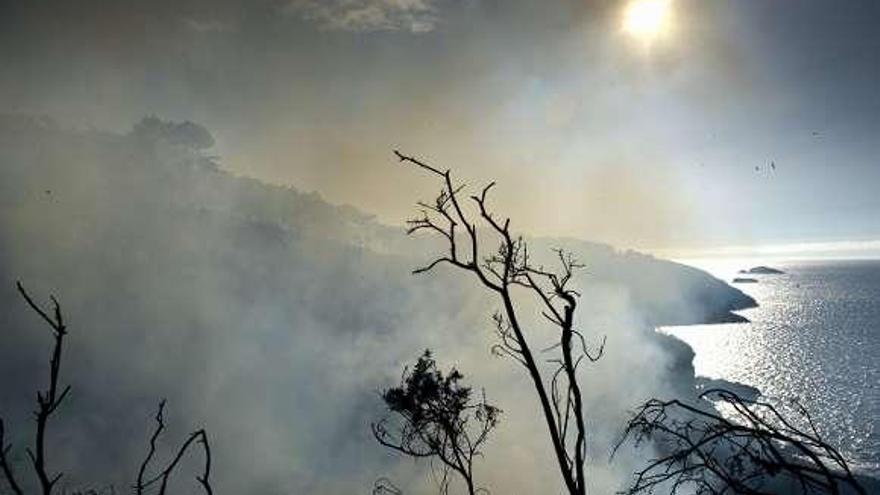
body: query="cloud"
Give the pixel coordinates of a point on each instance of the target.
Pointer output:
(415, 16)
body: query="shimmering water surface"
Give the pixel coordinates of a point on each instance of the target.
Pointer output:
(815, 337)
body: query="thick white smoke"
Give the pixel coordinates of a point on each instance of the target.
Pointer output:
(273, 319)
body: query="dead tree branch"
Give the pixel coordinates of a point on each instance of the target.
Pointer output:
(4, 462)
(162, 478)
(746, 452)
(160, 426)
(49, 399)
(501, 271)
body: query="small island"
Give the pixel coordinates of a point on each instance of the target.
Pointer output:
(762, 270)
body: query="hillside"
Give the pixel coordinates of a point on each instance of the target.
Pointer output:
(244, 302)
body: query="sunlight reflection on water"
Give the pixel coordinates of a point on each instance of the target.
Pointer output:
(815, 337)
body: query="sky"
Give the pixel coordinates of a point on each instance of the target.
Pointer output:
(662, 142)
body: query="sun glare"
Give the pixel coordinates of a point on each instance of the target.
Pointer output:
(647, 19)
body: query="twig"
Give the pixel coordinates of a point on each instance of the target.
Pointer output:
(4, 462)
(49, 400)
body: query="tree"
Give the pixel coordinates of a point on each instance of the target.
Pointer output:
(502, 271)
(752, 450)
(185, 134)
(199, 436)
(48, 402)
(437, 419)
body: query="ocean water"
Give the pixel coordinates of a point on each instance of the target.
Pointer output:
(815, 337)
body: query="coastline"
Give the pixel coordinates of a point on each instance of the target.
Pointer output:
(794, 312)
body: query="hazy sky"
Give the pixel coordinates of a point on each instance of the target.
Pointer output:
(590, 131)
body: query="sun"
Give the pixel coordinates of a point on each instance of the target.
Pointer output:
(647, 19)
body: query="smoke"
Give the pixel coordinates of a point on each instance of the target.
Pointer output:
(273, 319)
(271, 315)
(308, 92)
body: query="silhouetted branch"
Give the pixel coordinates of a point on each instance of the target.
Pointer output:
(205, 478)
(48, 400)
(437, 419)
(162, 478)
(508, 267)
(160, 426)
(707, 453)
(4, 462)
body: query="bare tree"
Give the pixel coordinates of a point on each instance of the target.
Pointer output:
(48, 402)
(437, 419)
(161, 479)
(751, 450)
(502, 271)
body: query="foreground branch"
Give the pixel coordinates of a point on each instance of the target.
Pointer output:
(47, 400)
(436, 419)
(4, 462)
(51, 398)
(199, 437)
(501, 271)
(754, 451)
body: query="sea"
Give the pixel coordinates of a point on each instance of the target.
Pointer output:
(814, 338)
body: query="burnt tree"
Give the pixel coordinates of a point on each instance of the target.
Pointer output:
(48, 402)
(198, 437)
(752, 449)
(464, 223)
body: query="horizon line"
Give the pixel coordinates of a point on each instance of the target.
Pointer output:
(839, 249)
